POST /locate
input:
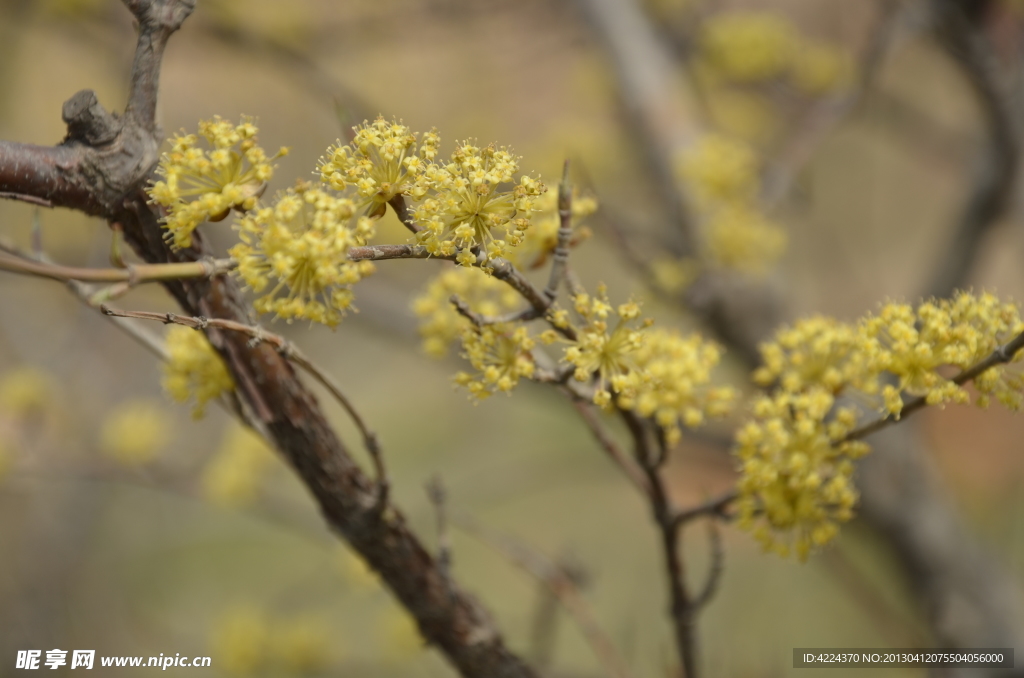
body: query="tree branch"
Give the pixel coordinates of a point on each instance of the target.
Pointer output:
(107, 180)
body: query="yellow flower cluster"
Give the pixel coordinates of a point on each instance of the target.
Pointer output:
(755, 46)
(204, 184)
(300, 245)
(382, 161)
(796, 471)
(670, 382)
(795, 459)
(235, 473)
(468, 208)
(25, 391)
(605, 352)
(134, 432)
(250, 642)
(542, 236)
(440, 323)
(722, 175)
(193, 370)
(741, 238)
(501, 356)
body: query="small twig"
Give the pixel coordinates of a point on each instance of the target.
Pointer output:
(561, 585)
(133, 274)
(682, 611)
(561, 256)
(716, 569)
(31, 199)
(713, 507)
(608, 444)
(289, 351)
(438, 496)
(1001, 355)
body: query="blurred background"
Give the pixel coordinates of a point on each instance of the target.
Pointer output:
(130, 528)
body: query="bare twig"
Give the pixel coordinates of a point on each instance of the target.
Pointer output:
(715, 508)
(608, 444)
(560, 583)
(133, 274)
(286, 348)
(560, 260)
(404, 214)
(716, 569)
(825, 116)
(996, 175)
(682, 610)
(438, 496)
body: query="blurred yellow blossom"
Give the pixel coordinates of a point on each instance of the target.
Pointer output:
(25, 390)
(440, 323)
(193, 370)
(204, 184)
(235, 473)
(719, 169)
(299, 248)
(796, 471)
(821, 68)
(748, 46)
(134, 432)
(743, 239)
(670, 382)
(240, 640)
(795, 457)
(303, 645)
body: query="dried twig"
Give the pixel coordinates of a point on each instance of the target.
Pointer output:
(560, 583)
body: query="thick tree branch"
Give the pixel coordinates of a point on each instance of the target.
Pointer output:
(107, 179)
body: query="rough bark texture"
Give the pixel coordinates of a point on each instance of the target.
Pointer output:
(101, 169)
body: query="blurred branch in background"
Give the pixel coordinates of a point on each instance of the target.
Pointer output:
(943, 561)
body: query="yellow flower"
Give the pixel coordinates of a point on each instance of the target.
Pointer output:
(607, 352)
(467, 206)
(24, 391)
(134, 432)
(300, 246)
(240, 640)
(204, 184)
(440, 323)
(720, 169)
(235, 473)
(193, 370)
(748, 46)
(912, 344)
(670, 382)
(501, 356)
(816, 352)
(302, 645)
(382, 161)
(742, 239)
(821, 68)
(796, 483)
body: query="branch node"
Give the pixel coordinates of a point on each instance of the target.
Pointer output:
(88, 121)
